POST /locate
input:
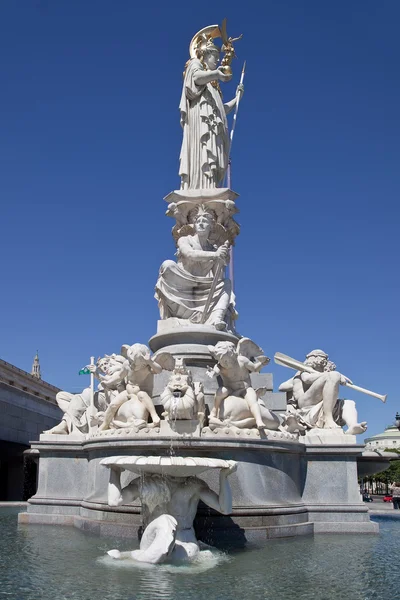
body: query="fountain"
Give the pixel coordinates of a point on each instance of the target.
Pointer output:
(169, 493)
(195, 401)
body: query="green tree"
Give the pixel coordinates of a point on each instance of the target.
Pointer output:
(379, 483)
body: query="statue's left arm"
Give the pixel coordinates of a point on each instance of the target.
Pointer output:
(222, 502)
(256, 366)
(155, 367)
(116, 495)
(229, 106)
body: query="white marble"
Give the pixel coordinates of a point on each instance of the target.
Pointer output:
(229, 431)
(334, 437)
(195, 288)
(237, 404)
(204, 153)
(134, 380)
(76, 407)
(123, 398)
(315, 401)
(169, 494)
(182, 398)
(220, 202)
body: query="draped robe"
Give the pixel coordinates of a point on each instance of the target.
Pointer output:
(182, 288)
(205, 146)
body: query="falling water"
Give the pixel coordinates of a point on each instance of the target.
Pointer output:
(172, 419)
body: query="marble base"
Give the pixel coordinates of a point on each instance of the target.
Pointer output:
(328, 436)
(236, 433)
(179, 428)
(190, 342)
(281, 487)
(201, 196)
(187, 340)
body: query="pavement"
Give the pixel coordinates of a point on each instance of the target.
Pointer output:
(379, 507)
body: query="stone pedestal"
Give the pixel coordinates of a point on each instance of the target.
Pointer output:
(180, 428)
(201, 196)
(331, 489)
(281, 488)
(186, 340)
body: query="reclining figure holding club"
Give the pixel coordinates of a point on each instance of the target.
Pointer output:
(315, 394)
(76, 418)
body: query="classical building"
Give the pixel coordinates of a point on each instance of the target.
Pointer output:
(27, 407)
(387, 440)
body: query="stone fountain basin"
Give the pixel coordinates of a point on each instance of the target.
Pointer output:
(176, 466)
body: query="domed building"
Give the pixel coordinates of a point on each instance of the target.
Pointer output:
(388, 439)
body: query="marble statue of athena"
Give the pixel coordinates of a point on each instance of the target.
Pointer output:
(205, 147)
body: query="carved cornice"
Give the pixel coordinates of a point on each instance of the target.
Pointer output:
(17, 378)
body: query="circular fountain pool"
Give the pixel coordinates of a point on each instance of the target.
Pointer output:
(57, 563)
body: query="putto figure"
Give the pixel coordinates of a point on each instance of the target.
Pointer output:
(236, 402)
(315, 396)
(205, 147)
(136, 375)
(196, 282)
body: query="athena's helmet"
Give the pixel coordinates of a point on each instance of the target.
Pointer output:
(203, 41)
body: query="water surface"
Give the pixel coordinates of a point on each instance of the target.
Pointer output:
(62, 563)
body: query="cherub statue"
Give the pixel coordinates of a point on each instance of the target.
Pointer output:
(183, 398)
(135, 376)
(236, 402)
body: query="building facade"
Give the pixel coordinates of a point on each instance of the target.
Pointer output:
(27, 407)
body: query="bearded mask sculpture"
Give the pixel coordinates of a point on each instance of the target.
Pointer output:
(182, 398)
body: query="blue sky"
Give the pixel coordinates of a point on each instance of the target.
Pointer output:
(89, 147)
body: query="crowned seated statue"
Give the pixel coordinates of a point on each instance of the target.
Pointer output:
(195, 288)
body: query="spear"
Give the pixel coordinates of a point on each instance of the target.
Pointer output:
(234, 121)
(229, 160)
(92, 409)
(219, 268)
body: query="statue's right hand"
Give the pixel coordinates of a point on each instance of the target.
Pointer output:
(223, 253)
(223, 76)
